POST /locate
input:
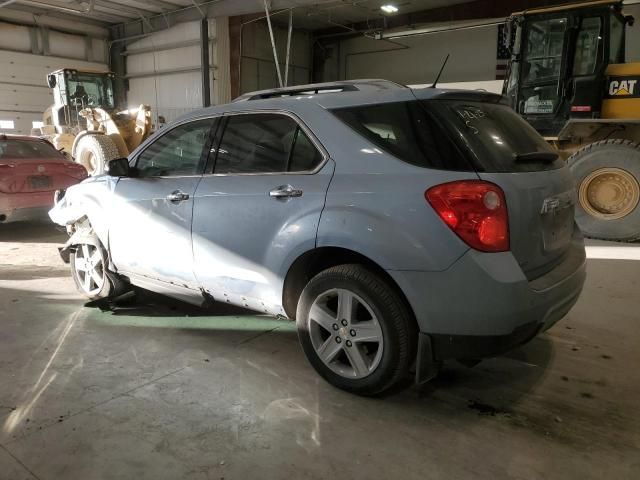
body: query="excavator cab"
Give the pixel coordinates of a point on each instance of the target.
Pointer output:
(559, 61)
(84, 122)
(74, 91)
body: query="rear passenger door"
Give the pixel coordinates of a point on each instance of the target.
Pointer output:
(258, 207)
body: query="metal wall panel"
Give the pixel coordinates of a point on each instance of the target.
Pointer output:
(67, 45)
(164, 71)
(15, 37)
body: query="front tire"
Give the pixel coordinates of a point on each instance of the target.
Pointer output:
(355, 329)
(94, 151)
(607, 176)
(89, 271)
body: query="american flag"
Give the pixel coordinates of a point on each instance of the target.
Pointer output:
(502, 51)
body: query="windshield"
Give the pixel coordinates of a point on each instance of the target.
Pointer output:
(18, 149)
(90, 90)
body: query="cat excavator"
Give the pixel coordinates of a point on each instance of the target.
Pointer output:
(84, 122)
(568, 78)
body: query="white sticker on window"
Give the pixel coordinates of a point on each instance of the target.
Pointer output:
(533, 105)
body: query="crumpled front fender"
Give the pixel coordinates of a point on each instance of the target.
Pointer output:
(81, 236)
(65, 214)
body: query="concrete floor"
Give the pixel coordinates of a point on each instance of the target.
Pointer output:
(161, 391)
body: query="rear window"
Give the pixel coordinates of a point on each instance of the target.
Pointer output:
(496, 138)
(17, 149)
(453, 135)
(407, 130)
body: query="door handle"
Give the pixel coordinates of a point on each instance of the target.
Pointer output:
(285, 191)
(177, 196)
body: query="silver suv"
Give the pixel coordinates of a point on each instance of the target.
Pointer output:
(400, 228)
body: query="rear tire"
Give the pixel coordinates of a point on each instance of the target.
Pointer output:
(607, 175)
(94, 151)
(365, 349)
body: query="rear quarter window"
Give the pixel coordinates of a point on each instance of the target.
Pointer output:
(408, 131)
(495, 137)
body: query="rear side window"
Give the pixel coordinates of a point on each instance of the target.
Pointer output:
(265, 143)
(408, 131)
(496, 138)
(22, 149)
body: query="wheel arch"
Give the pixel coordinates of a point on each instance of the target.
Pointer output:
(312, 262)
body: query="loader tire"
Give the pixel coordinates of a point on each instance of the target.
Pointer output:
(94, 151)
(607, 176)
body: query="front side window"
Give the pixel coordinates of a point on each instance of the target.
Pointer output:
(265, 143)
(178, 152)
(587, 46)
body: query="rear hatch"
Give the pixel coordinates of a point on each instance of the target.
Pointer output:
(507, 151)
(29, 166)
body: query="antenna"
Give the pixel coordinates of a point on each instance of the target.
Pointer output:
(440, 72)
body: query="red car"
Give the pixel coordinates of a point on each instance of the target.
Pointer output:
(31, 170)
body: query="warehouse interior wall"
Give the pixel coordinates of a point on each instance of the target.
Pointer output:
(417, 59)
(633, 34)
(164, 69)
(257, 66)
(28, 54)
(412, 60)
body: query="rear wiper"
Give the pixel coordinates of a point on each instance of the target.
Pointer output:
(536, 157)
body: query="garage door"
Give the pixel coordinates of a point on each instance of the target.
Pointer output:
(24, 94)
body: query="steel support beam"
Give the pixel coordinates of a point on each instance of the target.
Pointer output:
(204, 63)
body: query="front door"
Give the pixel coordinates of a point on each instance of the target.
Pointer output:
(150, 232)
(259, 209)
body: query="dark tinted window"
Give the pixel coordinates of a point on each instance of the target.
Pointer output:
(496, 138)
(305, 156)
(17, 149)
(587, 46)
(265, 143)
(407, 130)
(616, 39)
(178, 152)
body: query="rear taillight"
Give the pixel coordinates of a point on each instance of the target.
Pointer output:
(475, 210)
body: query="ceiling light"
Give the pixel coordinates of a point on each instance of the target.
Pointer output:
(389, 8)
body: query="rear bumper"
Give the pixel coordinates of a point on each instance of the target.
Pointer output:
(24, 206)
(483, 305)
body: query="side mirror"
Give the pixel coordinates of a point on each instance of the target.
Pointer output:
(51, 81)
(118, 167)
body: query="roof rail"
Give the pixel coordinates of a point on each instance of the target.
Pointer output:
(369, 85)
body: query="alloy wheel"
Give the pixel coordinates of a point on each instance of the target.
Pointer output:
(345, 333)
(89, 267)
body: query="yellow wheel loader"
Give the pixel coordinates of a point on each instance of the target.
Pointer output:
(568, 78)
(84, 122)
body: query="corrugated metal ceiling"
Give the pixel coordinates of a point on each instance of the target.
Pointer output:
(310, 14)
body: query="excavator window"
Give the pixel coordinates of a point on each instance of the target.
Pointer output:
(90, 90)
(588, 44)
(616, 39)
